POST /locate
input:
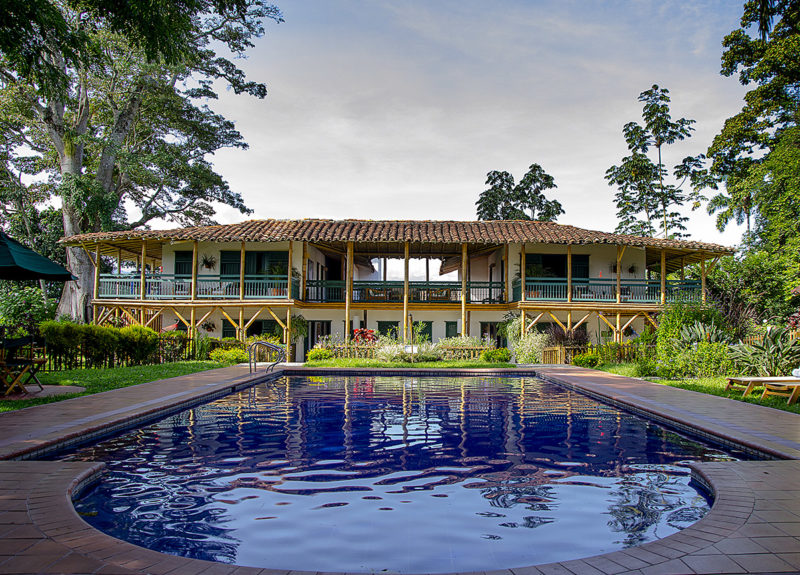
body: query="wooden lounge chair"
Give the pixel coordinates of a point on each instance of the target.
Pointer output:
(749, 383)
(790, 391)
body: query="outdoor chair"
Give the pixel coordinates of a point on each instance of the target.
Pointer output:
(789, 391)
(17, 370)
(749, 383)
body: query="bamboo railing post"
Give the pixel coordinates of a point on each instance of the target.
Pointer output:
(348, 292)
(464, 259)
(506, 276)
(405, 292)
(193, 322)
(522, 272)
(241, 271)
(663, 277)
(289, 354)
(569, 272)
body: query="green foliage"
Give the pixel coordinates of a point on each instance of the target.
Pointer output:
(677, 316)
(202, 346)
(22, 307)
(319, 354)
(465, 341)
(645, 367)
(426, 352)
(776, 354)
(505, 200)
(586, 360)
(62, 337)
(444, 364)
(500, 355)
(698, 331)
(644, 201)
(530, 347)
(99, 344)
(173, 345)
(139, 344)
(229, 356)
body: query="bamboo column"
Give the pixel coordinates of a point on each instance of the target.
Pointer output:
(703, 280)
(304, 271)
(193, 321)
(289, 354)
(464, 260)
(96, 272)
(289, 272)
(194, 274)
(524, 323)
(348, 292)
(619, 274)
(119, 261)
(405, 293)
(506, 276)
(522, 272)
(241, 329)
(241, 271)
(569, 272)
(663, 277)
(619, 328)
(142, 283)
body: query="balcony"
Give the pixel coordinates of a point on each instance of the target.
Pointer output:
(333, 291)
(605, 290)
(171, 287)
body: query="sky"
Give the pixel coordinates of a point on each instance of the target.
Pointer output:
(398, 109)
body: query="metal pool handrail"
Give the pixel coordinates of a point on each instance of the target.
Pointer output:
(251, 352)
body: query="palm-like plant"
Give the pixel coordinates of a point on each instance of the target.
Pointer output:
(777, 354)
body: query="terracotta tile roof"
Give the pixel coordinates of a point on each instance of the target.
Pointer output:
(379, 231)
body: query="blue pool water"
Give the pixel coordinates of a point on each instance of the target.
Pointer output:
(396, 474)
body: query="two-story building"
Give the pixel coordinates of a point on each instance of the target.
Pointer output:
(252, 277)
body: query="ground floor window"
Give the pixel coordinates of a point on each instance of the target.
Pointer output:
(388, 328)
(489, 330)
(316, 330)
(259, 327)
(451, 329)
(425, 331)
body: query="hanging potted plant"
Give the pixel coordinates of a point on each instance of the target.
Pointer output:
(208, 261)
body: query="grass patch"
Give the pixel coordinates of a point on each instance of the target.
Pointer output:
(709, 385)
(449, 364)
(98, 380)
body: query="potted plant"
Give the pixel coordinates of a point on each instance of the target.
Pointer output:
(208, 326)
(208, 261)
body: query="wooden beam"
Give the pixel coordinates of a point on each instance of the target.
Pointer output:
(663, 277)
(534, 322)
(464, 258)
(142, 288)
(569, 320)
(230, 319)
(133, 319)
(275, 317)
(155, 315)
(119, 261)
(569, 272)
(107, 312)
(608, 323)
(522, 272)
(583, 319)
(242, 332)
(619, 331)
(194, 271)
(555, 319)
(241, 271)
(254, 318)
(348, 290)
(180, 317)
(618, 272)
(192, 324)
(206, 316)
(629, 322)
(650, 319)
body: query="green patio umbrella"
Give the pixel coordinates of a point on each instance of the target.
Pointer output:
(20, 263)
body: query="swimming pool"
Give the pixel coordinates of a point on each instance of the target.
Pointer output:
(396, 474)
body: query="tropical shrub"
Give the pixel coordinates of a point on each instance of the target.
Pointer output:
(139, 344)
(500, 355)
(776, 354)
(391, 353)
(364, 336)
(698, 331)
(586, 360)
(466, 341)
(99, 344)
(25, 307)
(570, 338)
(679, 315)
(319, 354)
(703, 359)
(529, 347)
(229, 356)
(202, 346)
(426, 351)
(63, 338)
(645, 366)
(173, 345)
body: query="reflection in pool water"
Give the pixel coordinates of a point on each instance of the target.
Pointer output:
(396, 474)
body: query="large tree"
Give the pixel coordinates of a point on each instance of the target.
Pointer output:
(646, 203)
(506, 200)
(757, 153)
(129, 128)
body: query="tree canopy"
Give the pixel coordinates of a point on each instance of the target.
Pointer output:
(646, 204)
(507, 200)
(126, 124)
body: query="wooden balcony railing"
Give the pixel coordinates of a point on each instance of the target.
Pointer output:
(333, 291)
(169, 287)
(605, 290)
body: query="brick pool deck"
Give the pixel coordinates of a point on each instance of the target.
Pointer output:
(753, 526)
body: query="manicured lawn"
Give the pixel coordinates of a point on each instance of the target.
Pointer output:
(709, 385)
(97, 380)
(394, 365)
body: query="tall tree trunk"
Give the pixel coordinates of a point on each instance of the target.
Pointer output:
(77, 295)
